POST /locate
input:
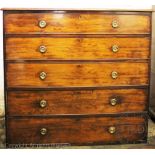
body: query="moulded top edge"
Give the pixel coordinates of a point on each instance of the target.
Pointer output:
(76, 9)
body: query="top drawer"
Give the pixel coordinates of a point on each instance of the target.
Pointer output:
(62, 22)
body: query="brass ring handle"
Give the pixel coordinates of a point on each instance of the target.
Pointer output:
(115, 48)
(42, 24)
(114, 75)
(43, 131)
(43, 103)
(42, 49)
(115, 24)
(42, 75)
(113, 101)
(112, 130)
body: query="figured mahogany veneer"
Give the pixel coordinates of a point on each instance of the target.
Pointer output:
(78, 48)
(76, 23)
(76, 74)
(77, 102)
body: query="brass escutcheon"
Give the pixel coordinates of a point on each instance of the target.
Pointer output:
(115, 24)
(112, 130)
(42, 49)
(43, 103)
(113, 101)
(115, 48)
(43, 131)
(42, 75)
(114, 75)
(42, 24)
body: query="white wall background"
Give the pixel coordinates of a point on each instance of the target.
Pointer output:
(120, 4)
(78, 3)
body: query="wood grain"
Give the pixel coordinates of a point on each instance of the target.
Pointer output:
(76, 116)
(77, 131)
(77, 74)
(26, 103)
(76, 23)
(77, 48)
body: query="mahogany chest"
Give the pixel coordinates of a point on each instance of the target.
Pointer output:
(77, 77)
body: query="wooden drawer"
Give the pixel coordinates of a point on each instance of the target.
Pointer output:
(77, 130)
(76, 74)
(77, 48)
(22, 103)
(61, 22)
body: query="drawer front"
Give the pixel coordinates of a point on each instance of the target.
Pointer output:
(78, 131)
(23, 103)
(76, 23)
(76, 74)
(77, 48)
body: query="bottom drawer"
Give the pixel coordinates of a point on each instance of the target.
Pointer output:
(77, 130)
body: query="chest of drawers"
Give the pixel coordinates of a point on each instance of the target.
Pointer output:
(77, 77)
